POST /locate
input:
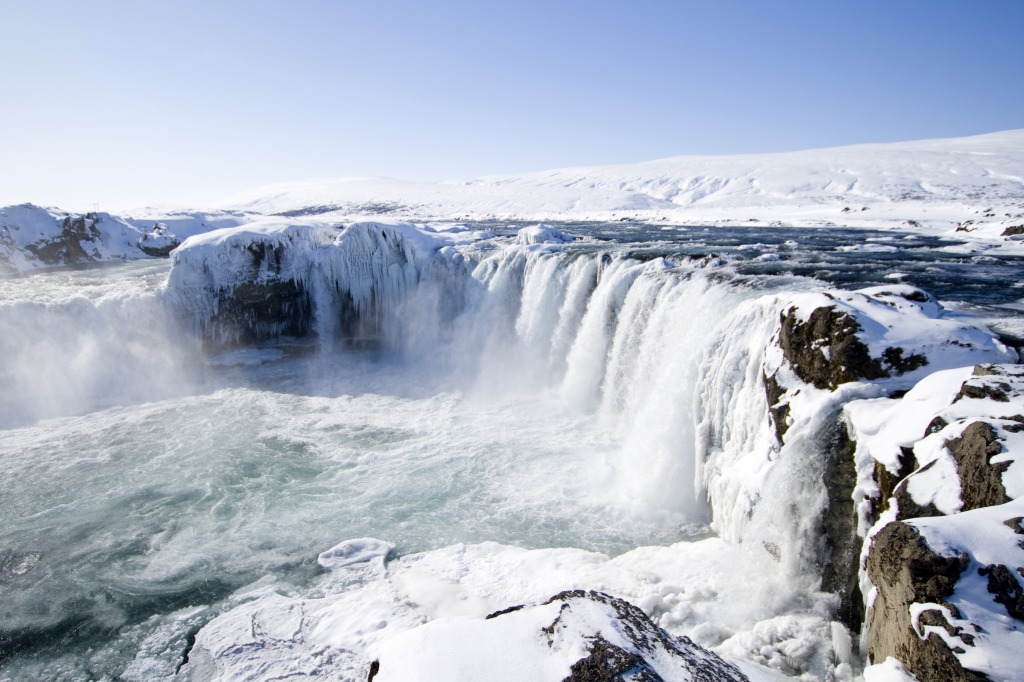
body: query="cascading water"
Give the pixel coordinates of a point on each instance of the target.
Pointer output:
(587, 395)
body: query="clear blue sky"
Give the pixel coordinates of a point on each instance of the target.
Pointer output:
(128, 102)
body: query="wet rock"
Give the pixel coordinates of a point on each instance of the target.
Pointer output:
(839, 523)
(905, 571)
(778, 408)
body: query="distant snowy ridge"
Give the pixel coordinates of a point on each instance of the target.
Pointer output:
(939, 183)
(971, 186)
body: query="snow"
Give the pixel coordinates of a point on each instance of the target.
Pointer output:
(542, 234)
(931, 185)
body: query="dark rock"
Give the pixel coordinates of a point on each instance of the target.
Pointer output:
(609, 663)
(906, 571)
(887, 481)
(1003, 584)
(504, 611)
(162, 251)
(981, 483)
(893, 357)
(1015, 525)
(839, 522)
(998, 391)
(908, 508)
(255, 312)
(935, 425)
(778, 410)
(804, 345)
(1013, 230)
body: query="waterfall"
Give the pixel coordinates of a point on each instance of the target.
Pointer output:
(665, 355)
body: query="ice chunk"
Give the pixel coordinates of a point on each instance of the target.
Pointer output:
(355, 551)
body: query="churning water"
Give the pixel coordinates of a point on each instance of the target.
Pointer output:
(557, 409)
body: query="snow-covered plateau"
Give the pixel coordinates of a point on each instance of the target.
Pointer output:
(684, 446)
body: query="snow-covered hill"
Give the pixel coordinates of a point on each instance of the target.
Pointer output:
(933, 183)
(973, 186)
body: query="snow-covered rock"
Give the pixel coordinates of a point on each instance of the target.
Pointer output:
(575, 636)
(32, 237)
(779, 465)
(939, 470)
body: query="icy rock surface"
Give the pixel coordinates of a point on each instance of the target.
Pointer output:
(939, 469)
(285, 277)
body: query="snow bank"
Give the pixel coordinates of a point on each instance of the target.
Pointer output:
(32, 237)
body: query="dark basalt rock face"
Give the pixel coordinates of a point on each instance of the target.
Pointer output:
(1003, 584)
(841, 561)
(252, 313)
(778, 408)
(825, 351)
(609, 663)
(906, 571)
(265, 306)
